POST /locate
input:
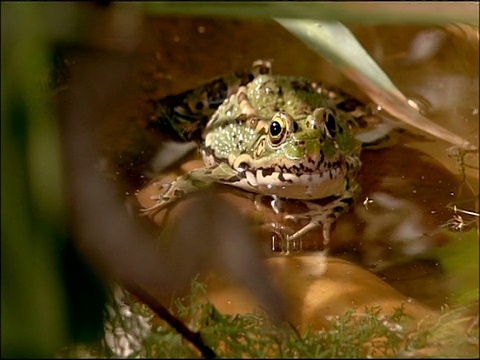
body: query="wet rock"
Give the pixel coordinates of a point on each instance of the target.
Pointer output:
(316, 288)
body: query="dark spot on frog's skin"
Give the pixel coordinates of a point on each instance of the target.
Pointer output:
(349, 105)
(241, 118)
(199, 105)
(348, 201)
(267, 172)
(322, 156)
(282, 179)
(338, 209)
(301, 86)
(242, 167)
(280, 90)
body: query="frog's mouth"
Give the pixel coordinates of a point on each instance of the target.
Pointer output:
(296, 185)
(312, 178)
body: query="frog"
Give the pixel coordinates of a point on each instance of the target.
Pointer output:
(282, 137)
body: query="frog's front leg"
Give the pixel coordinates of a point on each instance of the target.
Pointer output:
(186, 184)
(324, 215)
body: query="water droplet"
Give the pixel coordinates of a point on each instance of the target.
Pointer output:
(452, 193)
(409, 300)
(414, 191)
(413, 104)
(419, 103)
(201, 29)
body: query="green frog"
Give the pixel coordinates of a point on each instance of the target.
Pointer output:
(282, 137)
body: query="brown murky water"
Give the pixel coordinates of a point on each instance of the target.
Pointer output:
(414, 177)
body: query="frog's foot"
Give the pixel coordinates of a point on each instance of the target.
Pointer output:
(315, 222)
(322, 216)
(167, 195)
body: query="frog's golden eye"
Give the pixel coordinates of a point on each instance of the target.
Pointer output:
(277, 129)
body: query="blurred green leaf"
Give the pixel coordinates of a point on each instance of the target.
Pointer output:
(373, 12)
(34, 217)
(460, 259)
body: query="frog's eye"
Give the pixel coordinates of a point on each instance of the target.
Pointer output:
(277, 129)
(330, 123)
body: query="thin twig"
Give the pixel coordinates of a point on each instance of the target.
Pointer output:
(195, 338)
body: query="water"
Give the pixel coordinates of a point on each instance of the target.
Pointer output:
(409, 189)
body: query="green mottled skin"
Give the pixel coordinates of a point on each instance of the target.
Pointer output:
(238, 133)
(283, 137)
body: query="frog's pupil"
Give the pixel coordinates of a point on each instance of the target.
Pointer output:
(275, 128)
(331, 125)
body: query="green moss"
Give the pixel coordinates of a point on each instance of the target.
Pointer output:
(355, 334)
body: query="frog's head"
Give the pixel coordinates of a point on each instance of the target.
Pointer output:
(310, 156)
(279, 135)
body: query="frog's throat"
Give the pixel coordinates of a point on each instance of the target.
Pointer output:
(287, 185)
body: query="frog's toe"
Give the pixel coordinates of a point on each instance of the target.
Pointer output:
(297, 217)
(326, 225)
(152, 210)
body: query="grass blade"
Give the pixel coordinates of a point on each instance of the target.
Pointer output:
(352, 59)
